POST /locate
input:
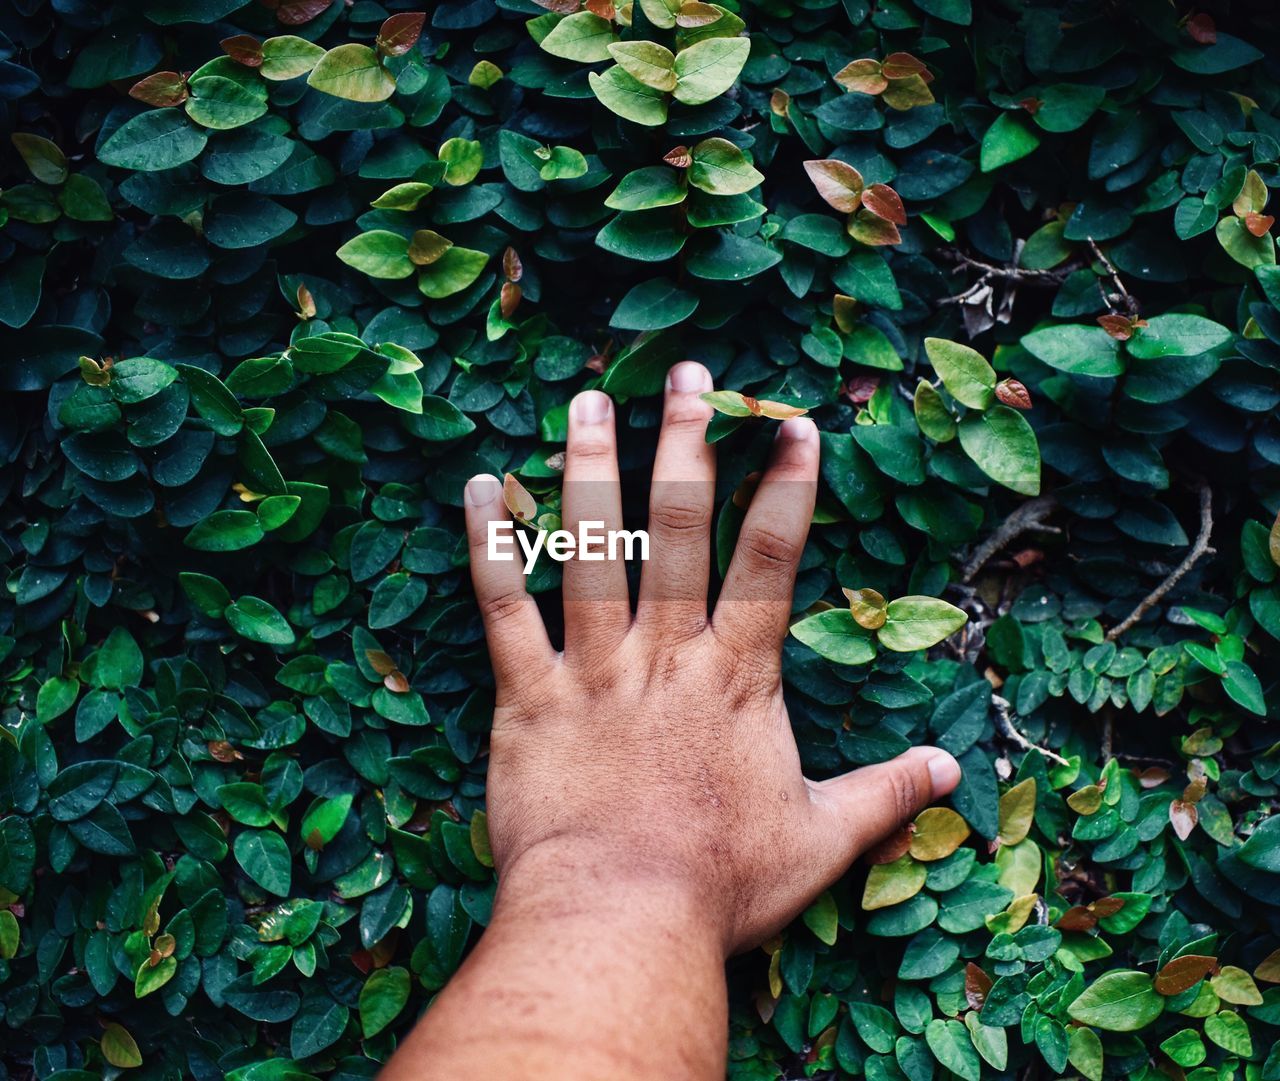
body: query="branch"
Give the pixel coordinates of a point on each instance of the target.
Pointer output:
(1198, 549)
(1004, 725)
(1028, 517)
(1122, 294)
(1054, 275)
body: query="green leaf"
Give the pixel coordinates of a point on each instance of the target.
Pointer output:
(706, 69)
(835, 636)
(646, 62)
(823, 918)
(151, 978)
(456, 269)
(1006, 141)
(288, 56)
(384, 994)
(1085, 1052)
(1246, 249)
(352, 72)
(264, 857)
(118, 664)
(622, 93)
(951, 1046)
(653, 305)
(1230, 1032)
(324, 819)
(647, 188)
(892, 883)
(225, 531)
(721, 168)
(1001, 443)
(964, 372)
(581, 36)
(139, 378)
(1076, 349)
(255, 619)
(1177, 335)
(378, 253)
(1119, 1001)
(160, 139)
(463, 159)
(397, 597)
(222, 104)
(1243, 687)
(319, 1024)
(918, 622)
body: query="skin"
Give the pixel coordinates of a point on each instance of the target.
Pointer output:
(647, 811)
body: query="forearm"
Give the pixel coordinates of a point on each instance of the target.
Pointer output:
(584, 974)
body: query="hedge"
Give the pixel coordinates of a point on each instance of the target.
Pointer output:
(279, 275)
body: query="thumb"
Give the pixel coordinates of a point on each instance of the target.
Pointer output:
(865, 806)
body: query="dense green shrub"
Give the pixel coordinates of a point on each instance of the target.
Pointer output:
(244, 692)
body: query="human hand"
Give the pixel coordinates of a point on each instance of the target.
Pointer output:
(656, 749)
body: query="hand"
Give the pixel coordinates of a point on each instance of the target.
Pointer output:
(656, 750)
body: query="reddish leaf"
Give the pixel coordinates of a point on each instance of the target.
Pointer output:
(603, 8)
(885, 203)
(1259, 224)
(306, 303)
(977, 984)
(838, 183)
(298, 12)
(1027, 557)
(694, 13)
(1184, 817)
(902, 66)
(1153, 777)
(560, 7)
(1013, 393)
(222, 751)
(518, 500)
(379, 661)
(163, 89)
(400, 33)
(512, 268)
(1194, 792)
(1106, 906)
(862, 77)
(1077, 918)
(875, 232)
(395, 682)
(1032, 105)
(779, 102)
(509, 299)
(1202, 29)
(1268, 969)
(243, 49)
(1119, 327)
(1183, 973)
(596, 363)
(678, 157)
(893, 847)
(860, 388)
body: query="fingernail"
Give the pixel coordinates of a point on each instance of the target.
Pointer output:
(944, 773)
(591, 407)
(800, 429)
(688, 376)
(482, 490)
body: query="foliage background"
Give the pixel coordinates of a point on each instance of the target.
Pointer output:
(244, 690)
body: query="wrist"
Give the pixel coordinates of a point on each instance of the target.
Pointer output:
(563, 880)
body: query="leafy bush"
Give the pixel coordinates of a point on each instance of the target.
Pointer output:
(264, 318)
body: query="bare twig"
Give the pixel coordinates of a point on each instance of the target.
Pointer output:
(1122, 294)
(1028, 517)
(1198, 549)
(1005, 726)
(1054, 275)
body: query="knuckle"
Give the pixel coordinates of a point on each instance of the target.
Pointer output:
(687, 413)
(503, 604)
(905, 793)
(681, 518)
(770, 548)
(590, 451)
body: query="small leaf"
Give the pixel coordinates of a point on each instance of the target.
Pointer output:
(964, 372)
(353, 72)
(646, 62)
(519, 502)
(892, 883)
(583, 37)
(400, 33)
(839, 184)
(867, 608)
(707, 68)
(1119, 1001)
(939, 831)
(1017, 811)
(918, 623)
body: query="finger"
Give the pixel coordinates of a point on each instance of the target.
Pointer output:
(858, 810)
(755, 604)
(518, 642)
(597, 607)
(673, 586)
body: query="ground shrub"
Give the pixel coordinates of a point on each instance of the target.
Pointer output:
(279, 275)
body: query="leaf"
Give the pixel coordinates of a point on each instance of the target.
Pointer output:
(264, 857)
(1001, 443)
(1118, 1001)
(257, 620)
(648, 188)
(456, 269)
(1017, 811)
(834, 636)
(352, 72)
(1085, 1052)
(119, 1048)
(45, 161)
(622, 93)
(519, 502)
(931, 413)
(721, 168)
(892, 883)
(139, 378)
(323, 820)
(1077, 349)
(1177, 335)
(867, 608)
(583, 37)
(938, 832)
(400, 33)
(839, 184)
(707, 68)
(384, 994)
(1229, 1031)
(1006, 141)
(287, 57)
(647, 63)
(918, 623)
(653, 305)
(378, 253)
(952, 1047)
(1243, 687)
(162, 139)
(964, 372)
